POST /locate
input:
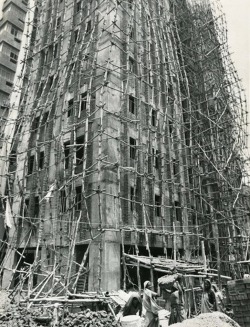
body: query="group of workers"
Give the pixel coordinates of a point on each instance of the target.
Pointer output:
(211, 300)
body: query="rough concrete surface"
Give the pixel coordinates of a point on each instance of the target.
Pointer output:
(215, 319)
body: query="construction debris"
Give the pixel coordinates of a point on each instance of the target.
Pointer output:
(215, 319)
(89, 318)
(17, 316)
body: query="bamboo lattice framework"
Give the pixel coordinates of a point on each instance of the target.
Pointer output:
(128, 118)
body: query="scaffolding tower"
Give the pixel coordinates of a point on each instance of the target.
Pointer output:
(127, 134)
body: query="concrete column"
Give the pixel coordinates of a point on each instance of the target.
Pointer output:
(8, 269)
(110, 268)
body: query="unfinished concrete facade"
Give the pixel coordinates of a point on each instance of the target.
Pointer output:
(127, 141)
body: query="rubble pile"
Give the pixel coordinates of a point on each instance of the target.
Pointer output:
(17, 317)
(21, 317)
(89, 318)
(215, 319)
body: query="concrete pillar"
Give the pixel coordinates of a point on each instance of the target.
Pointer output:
(109, 267)
(8, 270)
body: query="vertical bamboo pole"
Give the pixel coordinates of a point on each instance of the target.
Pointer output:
(174, 244)
(204, 256)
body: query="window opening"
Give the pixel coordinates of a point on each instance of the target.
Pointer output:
(132, 143)
(157, 205)
(66, 154)
(79, 150)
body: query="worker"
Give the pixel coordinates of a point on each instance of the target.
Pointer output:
(177, 313)
(133, 305)
(208, 299)
(150, 306)
(219, 297)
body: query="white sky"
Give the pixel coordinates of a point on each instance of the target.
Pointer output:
(238, 23)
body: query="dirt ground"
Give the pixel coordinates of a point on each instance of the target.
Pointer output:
(215, 319)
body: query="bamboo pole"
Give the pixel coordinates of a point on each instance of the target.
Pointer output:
(41, 289)
(204, 256)
(174, 244)
(247, 248)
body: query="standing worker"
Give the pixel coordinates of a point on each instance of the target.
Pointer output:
(218, 297)
(133, 305)
(208, 299)
(151, 307)
(178, 313)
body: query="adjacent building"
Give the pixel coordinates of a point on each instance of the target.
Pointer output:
(11, 29)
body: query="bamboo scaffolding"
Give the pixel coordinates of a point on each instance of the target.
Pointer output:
(181, 57)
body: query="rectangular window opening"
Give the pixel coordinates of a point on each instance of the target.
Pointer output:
(31, 162)
(45, 118)
(63, 201)
(153, 117)
(58, 22)
(10, 84)
(26, 207)
(13, 57)
(131, 65)
(177, 210)
(80, 150)
(157, 161)
(12, 158)
(76, 33)
(55, 50)
(132, 144)
(187, 138)
(78, 6)
(13, 31)
(131, 104)
(84, 101)
(50, 81)
(35, 124)
(132, 33)
(88, 28)
(157, 205)
(66, 154)
(70, 107)
(170, 127)
(41, 160)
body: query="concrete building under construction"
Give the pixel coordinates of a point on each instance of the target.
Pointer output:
(130, 140)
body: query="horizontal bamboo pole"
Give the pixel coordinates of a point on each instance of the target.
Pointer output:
(55, 299)
(210, 274)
